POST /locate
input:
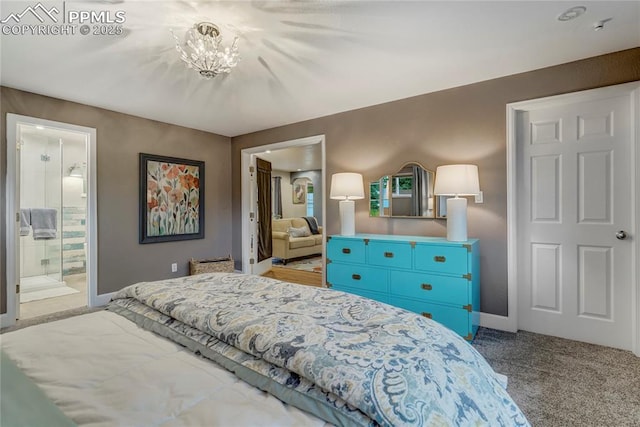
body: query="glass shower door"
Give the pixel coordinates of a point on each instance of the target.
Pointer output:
(53, 200)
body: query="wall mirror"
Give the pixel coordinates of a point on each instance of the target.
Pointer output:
(407, 193)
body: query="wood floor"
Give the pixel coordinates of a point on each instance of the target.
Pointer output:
(291, 275)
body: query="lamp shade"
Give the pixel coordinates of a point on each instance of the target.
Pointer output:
(347, 186)
(457, 180)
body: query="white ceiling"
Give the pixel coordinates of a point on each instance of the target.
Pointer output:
(302, 59)
(293, 159)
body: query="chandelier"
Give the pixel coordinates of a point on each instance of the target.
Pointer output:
(203, 51)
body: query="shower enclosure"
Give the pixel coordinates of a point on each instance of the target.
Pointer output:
(40, 187)
(50, 169)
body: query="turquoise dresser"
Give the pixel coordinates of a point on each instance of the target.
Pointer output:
(427, 275)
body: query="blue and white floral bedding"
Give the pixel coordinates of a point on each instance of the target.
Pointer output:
(347, 359)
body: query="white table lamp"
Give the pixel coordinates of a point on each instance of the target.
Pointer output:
(457, 180)
(347, 187)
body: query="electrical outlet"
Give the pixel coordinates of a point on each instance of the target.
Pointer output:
(174, 267)
(479, 198)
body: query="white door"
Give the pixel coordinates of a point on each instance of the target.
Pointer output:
(255, 266)
(575, 220)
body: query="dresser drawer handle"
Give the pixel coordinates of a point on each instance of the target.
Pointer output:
(439, 258)
(426, 286)
(427, 315)
(356, 277)
(388, 254)
(346, 250)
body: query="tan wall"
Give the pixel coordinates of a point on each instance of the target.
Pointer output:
(464, 124)
(288, 208)
(120, 137)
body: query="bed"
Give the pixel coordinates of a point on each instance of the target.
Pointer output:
(283, 354)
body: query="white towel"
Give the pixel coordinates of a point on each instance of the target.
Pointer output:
(25, 221)
(43, 223)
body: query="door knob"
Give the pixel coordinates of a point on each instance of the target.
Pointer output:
(621, 235)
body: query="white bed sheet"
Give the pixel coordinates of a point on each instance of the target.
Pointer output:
(103, 370)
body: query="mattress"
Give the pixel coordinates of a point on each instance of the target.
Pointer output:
(100, 369)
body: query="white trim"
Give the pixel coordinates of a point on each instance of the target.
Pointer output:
(494, 321)
(245, 188)
(12, 243)
(11, 248)
(102, 299)
(512, 230)
(635, 188)
(633, 91)
(92, 218)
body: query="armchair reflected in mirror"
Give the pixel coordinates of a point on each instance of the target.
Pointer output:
(408, 193)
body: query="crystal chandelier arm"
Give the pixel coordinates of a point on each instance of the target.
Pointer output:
(203, 50)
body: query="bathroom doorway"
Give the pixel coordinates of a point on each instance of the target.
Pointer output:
(49, 245)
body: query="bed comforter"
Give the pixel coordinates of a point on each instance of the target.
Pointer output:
(344, 358)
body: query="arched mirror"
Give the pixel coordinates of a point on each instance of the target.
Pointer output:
(408, 193)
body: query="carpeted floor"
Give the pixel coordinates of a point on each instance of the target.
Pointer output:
(558, 382)
(23, 323)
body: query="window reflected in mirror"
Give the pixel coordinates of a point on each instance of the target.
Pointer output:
(406, 193)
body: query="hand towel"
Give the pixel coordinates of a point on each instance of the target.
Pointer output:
(25, 221)
(43, 222)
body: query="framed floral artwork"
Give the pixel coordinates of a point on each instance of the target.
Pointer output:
(171, 199)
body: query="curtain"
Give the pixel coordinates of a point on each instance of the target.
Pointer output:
(263, 181)
(419, 191)
(277, 197)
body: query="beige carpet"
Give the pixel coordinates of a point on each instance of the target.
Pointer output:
(23, 323)
(558, 382)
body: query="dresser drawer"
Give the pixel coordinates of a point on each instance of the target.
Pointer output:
(346, 250)
(456, 319)
(358, 277)
(386, 254)
(428, 275)
(442, 259)
(363, 293)
(430, 287)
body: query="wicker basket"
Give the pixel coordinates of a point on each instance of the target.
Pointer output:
(216, 265)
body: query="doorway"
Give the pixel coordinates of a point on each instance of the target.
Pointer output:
(299, 152)
(51, 213)
(573, 216)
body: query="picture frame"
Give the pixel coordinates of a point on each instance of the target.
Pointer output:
(171, 199)
(299, 195)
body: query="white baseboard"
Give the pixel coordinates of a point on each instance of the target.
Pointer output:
(102, 299)
(495, 321)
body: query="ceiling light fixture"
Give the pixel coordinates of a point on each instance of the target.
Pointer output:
(204, 53)
(572, 13)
